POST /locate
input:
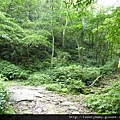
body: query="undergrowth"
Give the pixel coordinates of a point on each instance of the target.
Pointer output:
(108, 101)
(4, 106)
(11, 71)
(72, 79)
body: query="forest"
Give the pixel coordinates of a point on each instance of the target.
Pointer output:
(69, 46)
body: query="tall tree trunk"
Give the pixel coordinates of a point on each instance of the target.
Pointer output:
(66, 23)
(78, 48)
(52, 32)
(76, 37)
(81, 41)
(63, 34)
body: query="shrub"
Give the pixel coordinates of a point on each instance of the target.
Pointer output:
(73, 78)
(90, 74)
(109, 67)
(69, 78)
(54, 87)
(11, 71)
(76, 72)
(61, 59)
(3, 95)
(38, 79)
(62, 74)
(76, 86)
(109, 102)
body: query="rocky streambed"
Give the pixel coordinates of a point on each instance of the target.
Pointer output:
(38, 100)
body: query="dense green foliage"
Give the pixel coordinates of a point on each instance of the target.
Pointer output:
(3, 95)
(75, 72)
(38, 79)
(106, 102)
(65, 44)
(11, 71)
(36, 32)
(70, 79)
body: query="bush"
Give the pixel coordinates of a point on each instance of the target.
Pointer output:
(61, 59)
(90, 74)
(76, 86)
(39, 78)
(70, 78)
(109, 102)
(54, 87)
(62, 74)
(11, 71)
(109, 67)
(3, 95)
(73, 78)
(76, 72)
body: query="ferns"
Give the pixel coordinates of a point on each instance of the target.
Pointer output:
(18, 41)
(35, 40)
(10, 30)
(109, 102)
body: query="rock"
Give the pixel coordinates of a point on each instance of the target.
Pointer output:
(40, 88)
(75, 112)
(24, 108)
(39, 95)
(38, 110)
(65, 113)
(67, 103)
(24, 103)
(46, 92)
(57, 100)
(23, 95)
(48, 99)
(35, 100)
(38, 103)
(27, 112)
(32, 103)
(43, 100)
(73, 108)
(50, 109)
(51, 112)
(57, 103)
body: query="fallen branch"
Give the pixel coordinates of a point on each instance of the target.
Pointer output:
(95, 81)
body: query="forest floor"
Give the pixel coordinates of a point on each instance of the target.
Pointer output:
(38, 100)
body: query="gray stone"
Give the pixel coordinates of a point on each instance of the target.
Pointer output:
(39, 95)
(38, 110)
(27, 112)
(24, 108)
(64, 113)
(67, 103)
(73, 108)
(57, 103)
(43, 100)
(75, 112)
(23, 95)
(48, 100)
(32, 103)
(46, 92)
(24, 103)
(50, 109)
(55, 100)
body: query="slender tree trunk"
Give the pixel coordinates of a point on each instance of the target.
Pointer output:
(81, 41)
(52, 32)
(63, 34)
(78, 47)
(66, 23)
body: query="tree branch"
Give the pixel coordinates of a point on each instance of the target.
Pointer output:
(95, 80)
